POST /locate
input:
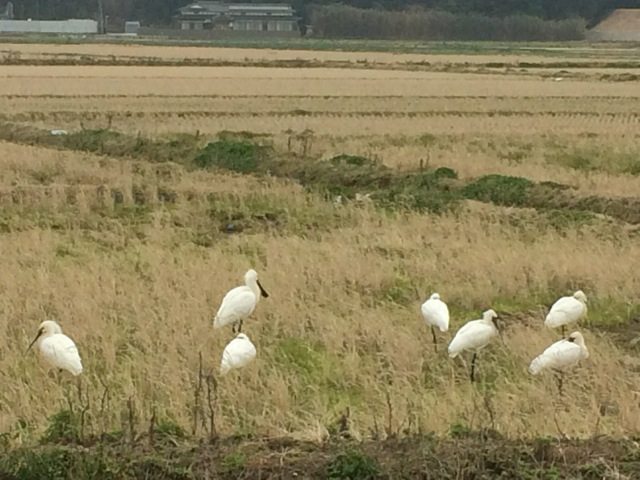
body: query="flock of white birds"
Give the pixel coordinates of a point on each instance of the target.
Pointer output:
(477, 334)
(59, 351)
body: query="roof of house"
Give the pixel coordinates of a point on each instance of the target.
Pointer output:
(620, 20)
(209, 7)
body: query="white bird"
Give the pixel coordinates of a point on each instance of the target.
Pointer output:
(240, 302)
(567, 310)
(436, 314)
(238, 353)
(475, 335)
(561, 356)
(56, 349)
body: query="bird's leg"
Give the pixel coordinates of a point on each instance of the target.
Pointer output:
(560, 378)
(240, 326)
(435, 340)
(473, 366)
(563, 331)
(233, 328)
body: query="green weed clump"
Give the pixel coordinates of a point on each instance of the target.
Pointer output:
(63, 427)
(104, 141)
(239, 156)
(500, 189)
(57, 463)
(352, 465)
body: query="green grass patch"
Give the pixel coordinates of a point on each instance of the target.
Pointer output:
(499, 189)
(352, 465)
(239, 156)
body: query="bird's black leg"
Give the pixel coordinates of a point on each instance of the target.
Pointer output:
(563, 331)
(435, 340)
(473, 366)
(240, 326)
(560, 378)
(233, 328)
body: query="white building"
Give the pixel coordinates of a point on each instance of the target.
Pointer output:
(77, 27)
(251, 17)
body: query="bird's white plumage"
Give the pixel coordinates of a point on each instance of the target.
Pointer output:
(436, 313)
(561, 355)
(238, 353)
(240, 302)
(57, 350)
(474, 335)
(567, 310)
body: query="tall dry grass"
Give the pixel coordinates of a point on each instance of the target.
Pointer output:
(340, 329)
(89, 241)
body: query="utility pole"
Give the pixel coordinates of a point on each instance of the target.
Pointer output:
(102, 28)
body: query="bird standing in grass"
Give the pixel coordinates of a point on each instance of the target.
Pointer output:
(240, 302)
(436, 314)
(238, 353)
(561, 356)
(475, 335)
(56, 349)
(567, 310)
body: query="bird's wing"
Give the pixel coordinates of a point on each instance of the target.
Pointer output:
(435, 312)
(60, 352)
(239, 303)
(560, 355)
(472, 336)
(237, 354)
(565, 310)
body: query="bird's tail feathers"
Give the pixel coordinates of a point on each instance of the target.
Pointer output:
(537, 365)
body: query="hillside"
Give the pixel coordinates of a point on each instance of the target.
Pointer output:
(622, 24)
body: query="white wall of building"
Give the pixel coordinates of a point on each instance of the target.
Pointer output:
(49, 26)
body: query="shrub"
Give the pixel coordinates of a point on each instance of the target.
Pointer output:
(499, 189)
(234, 463)
(63, 428)
(352, 465)
(236, 155)
(356, 160)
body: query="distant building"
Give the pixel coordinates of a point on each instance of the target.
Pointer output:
(622, 25)
(70, 27)
(131, 27)
(247, 17)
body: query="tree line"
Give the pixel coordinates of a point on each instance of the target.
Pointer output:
(341, 21)
(160, 12)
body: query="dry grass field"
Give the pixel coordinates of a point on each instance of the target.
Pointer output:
(131, 251)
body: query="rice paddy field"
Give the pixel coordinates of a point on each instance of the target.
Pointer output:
(356, 183)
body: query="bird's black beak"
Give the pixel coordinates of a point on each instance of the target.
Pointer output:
(263, 292)
(496, 322)
(571, 339)
(35, 340)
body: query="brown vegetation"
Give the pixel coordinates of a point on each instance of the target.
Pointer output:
(132, 253)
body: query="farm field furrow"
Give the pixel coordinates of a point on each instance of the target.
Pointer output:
(239, 54)
(142, 105)
(87, 80)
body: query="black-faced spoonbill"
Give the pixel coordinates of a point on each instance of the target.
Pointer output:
(56, 349)
(238, 353)
(436, 314)
(240, 302)
(561, 356)
(475, 335)
(567, 310)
